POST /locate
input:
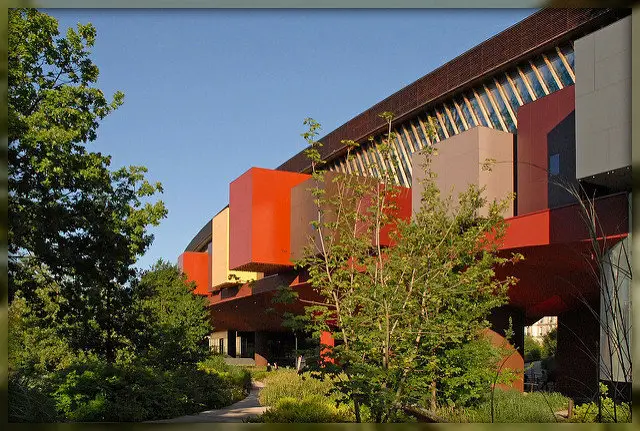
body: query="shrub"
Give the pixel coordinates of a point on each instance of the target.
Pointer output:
(310, 409)
(588, 412)
(258, 373)
(98, 391)
(288, 384)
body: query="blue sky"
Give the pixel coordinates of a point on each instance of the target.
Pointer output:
(211, 93)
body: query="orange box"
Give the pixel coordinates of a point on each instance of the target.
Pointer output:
(260, 221)
(196, 267)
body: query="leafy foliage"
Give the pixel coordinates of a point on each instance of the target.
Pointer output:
(97, 391)
(550, 343)
(72, 218)
(171, 321)
(399, 313)
(612, 412)
(532, 349)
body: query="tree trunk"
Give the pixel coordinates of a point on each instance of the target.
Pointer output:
(433, 405)
(356, 409)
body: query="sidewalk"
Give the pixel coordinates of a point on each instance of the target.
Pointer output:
(249, 407)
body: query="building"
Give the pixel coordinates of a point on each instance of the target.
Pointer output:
(549, 98)
(542, 327)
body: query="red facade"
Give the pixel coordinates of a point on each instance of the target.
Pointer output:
(196, 267)
(259, 220)
(535, 121)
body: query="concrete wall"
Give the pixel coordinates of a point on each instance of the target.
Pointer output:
(459, 163)
(603, 102)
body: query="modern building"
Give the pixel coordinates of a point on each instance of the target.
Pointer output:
(549, 100)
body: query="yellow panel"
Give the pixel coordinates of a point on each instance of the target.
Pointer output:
(221, 276)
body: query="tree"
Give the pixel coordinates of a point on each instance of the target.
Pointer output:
(172, 322)
(400, 315)
(70, 215)
(532, 349)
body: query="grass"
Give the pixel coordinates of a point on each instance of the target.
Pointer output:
(302, 398)
(513, 407)
(288, 384)
(294, 398)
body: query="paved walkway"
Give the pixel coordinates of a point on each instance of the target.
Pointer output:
(249, 407)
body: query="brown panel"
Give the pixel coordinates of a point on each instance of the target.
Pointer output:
(459, 163)
(304, 210)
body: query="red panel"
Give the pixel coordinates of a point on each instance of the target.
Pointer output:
(566, 225)
(240, 205)
(535, 121)
(260, 220)
(196, 267)
(403, 211)
(527, 230)
(326, 339)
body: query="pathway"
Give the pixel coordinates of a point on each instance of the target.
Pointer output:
(248, 407)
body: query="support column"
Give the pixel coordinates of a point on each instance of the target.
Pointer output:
(577, 353)
(261, 356)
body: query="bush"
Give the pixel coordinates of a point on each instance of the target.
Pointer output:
(97, 391)
(310, 409)
(512, 407)
(258, 373)
(288, 384)
(588, 412)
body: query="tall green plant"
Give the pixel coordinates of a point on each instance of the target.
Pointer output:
(395, 312)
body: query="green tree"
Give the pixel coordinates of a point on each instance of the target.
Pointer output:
(550, 343)
(172, 322)
(69, 213)
(402, 315)
(532, 349)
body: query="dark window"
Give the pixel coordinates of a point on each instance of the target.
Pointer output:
(554, 164)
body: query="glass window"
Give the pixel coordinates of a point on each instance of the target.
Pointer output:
(456, 118)
(402, 163)
(520, 86)
(533, 80)
(543, 68)
(436, 125)
(421, 137)
(466, 113)
(407, 149)
(567, 51)
(560, 69)
(408, 140)
(508, 91)
(504, 112)
(368, 159)
(445, 119)
(477, 110)
(554, 164)
(493, 116)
